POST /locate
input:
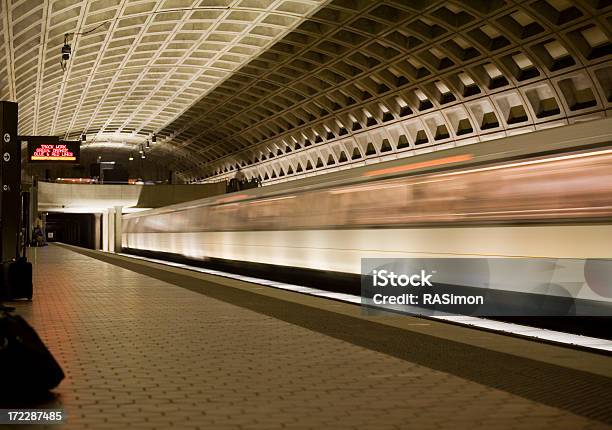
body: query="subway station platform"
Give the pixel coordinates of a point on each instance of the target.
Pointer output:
(150, 346)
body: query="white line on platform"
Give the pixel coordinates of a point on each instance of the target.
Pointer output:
(483, 323)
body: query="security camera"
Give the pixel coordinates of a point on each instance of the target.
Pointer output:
(66, 51)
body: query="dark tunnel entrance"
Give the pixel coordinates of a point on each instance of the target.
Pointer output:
(74, 229)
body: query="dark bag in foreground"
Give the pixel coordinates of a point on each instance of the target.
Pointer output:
(16, 280)
(26, 365)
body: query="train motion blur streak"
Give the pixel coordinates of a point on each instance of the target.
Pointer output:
(555, 206)
(570, 187)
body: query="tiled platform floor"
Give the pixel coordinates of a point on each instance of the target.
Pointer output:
(142, 353)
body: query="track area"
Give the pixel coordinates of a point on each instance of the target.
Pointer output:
(583, 332)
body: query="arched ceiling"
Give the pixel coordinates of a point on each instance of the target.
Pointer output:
(137, 64)
(285, 87)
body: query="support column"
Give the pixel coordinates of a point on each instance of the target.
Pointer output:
(111, 229)
(118, 215)
(10, 181)
(97, 223)
(105, 230)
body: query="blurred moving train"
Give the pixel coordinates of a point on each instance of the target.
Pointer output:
(546, 194)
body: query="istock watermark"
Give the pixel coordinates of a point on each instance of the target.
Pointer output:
(386, 278)
(382, 278)
(488, 286)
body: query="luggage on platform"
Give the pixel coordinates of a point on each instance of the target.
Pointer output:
(26, 365)
(16, 280)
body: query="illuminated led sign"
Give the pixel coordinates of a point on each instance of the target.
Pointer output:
(60, 152)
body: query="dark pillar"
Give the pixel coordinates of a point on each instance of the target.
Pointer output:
(11, 181)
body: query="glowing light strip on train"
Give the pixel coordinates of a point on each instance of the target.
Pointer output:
(530, 162)
(468, 157)
(421, 165)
